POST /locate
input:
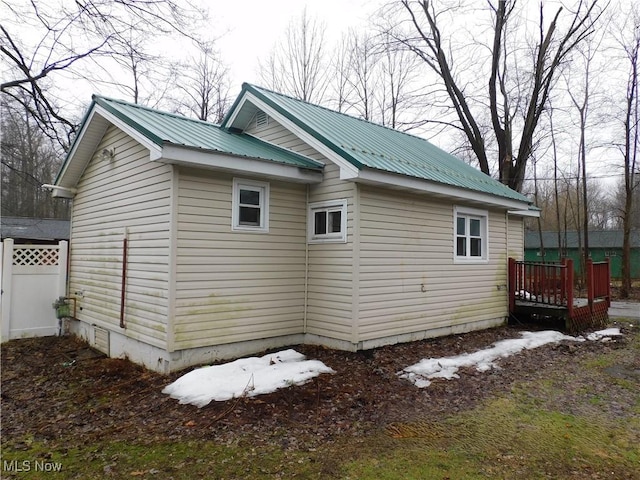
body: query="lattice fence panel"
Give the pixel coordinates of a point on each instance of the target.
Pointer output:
(31, 256)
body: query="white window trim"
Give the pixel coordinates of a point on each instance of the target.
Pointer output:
(238, 184)
(484, 234)
(340, 237)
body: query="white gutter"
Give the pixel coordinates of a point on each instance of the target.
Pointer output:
(70, 191)
(525, 213)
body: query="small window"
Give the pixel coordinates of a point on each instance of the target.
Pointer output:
(250, 206)
(471, 237)
(328, 221)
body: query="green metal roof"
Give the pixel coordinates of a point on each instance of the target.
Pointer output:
(597, 239)
(369, 145)
(166, 128)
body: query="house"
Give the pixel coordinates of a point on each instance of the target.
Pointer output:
(602, 244)
(288, 223)
(34, 230)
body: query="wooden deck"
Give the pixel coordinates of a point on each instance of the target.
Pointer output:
(545, 290)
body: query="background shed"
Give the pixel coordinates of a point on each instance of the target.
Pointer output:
(602, 244)
(37, 231)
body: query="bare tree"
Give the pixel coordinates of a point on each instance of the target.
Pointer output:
(516, 105)
(581, 93)
(204, 85)
(142, 76)
(619, 201)
(377, 83)
(338, 88)
(554, 147)
(28, 160)
(297, 66)
(401, 93)
(631, 45)
(67, 39)
(362, 78)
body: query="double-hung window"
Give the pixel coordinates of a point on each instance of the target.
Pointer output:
(328, 222)
(250, 206)
(470, 235)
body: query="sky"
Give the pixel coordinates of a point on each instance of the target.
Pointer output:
(250, 33)
(244, 33)
(260, 375)
(247, 31)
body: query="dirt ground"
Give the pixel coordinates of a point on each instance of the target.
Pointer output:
(58, 387)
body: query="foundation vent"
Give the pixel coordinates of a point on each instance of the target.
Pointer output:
(101, 340)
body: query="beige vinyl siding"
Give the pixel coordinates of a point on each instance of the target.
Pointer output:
(407, 247)
(516, 237)
(234, 286)
(330, 302)
(277, 134)
(129, 193)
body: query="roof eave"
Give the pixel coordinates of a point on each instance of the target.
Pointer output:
(77, 144)
(392, 180)
(96, 122)
(196, 158)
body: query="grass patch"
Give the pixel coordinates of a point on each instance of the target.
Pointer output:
(507, 439)
(177, 460)
(413, 460)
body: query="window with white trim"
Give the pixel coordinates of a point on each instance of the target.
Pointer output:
(250, 206)
(471, 240)
(328, 222)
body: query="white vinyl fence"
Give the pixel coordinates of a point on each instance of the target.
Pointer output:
(33, 277)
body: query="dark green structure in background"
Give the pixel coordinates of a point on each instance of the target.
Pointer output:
(602, 244)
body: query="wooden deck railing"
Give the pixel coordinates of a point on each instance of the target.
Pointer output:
(544, 283)
(552, 283)
(547, 289)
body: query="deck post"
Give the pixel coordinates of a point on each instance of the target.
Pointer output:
(608, 259)
(569, 285)
(590, 284)
(512, 284)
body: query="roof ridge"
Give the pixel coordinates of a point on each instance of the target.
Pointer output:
(154, 110)
(344, 114)
(440, 167)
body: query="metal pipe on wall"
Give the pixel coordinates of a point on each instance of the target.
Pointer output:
(124, 280)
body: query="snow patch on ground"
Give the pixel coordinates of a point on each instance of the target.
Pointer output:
(245, 377)
(604, 335)
(248, 377)
(424, 371)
